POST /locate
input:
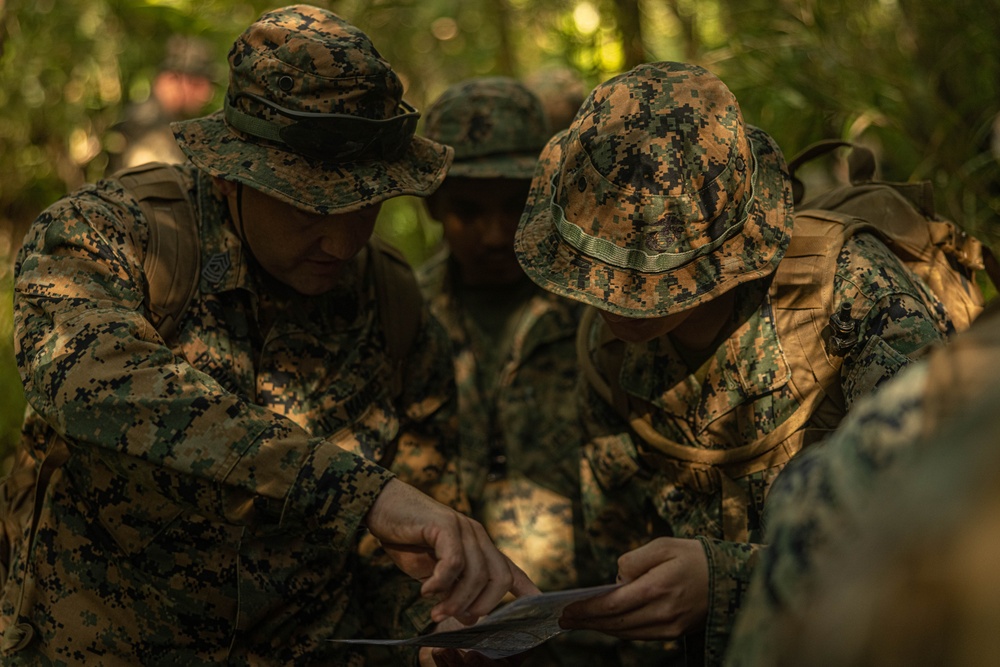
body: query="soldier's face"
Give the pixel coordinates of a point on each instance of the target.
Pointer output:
(480, 217)
(305, 251)
(696, 328)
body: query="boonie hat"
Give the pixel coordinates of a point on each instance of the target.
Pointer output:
(657, 198)
(496, 126)
(314, 117)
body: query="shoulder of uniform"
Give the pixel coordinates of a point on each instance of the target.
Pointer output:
(868, 265)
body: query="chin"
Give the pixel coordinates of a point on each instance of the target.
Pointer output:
(634, 334)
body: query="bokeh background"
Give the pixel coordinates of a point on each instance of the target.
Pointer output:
(917, 80)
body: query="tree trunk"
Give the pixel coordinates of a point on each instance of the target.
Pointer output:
(630, 25)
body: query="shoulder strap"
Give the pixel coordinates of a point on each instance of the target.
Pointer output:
(399, 304)
(802, 297)
(173, 256)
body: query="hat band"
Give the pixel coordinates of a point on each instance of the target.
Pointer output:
(329, 137)
(635, 259)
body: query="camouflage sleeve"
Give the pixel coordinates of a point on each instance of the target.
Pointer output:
(427, 458)
(730, 566)
(98, 372)
(898, 319)
(818, 498)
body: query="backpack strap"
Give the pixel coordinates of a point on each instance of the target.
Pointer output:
(399, 305)
(400, 310)
(860, 163)
(707, 471)
(173, 254)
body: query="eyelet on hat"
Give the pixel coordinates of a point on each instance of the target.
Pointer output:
(238, 60)
(286, 83)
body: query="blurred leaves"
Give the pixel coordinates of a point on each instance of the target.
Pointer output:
(914, 79)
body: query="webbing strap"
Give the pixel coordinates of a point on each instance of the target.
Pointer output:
(173, 253)
(399, 303)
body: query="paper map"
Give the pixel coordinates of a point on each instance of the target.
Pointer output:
(524, 623)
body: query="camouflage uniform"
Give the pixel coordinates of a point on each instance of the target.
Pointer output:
(520, 436)
(200, 499)
(519, 439)
(618, 220)
(899, 464)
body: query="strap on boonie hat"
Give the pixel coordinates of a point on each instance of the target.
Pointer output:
(638, 259)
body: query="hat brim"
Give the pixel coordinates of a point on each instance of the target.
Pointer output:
(306, 183)
(559, 267)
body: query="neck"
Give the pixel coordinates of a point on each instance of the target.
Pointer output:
(701, 329)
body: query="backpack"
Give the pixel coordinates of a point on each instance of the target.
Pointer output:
(815, 333)
(902, 215)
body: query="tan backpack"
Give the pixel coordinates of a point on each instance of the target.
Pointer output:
(944, 256)
(814, 332)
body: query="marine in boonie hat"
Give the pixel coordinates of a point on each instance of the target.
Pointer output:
(314, 117)
(496, 126)
(658, 198)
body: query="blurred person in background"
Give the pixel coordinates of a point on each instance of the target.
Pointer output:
(561, 91)
(197, 474)
(181, 89)
(513, 343)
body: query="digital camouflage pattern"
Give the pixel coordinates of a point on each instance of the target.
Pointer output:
(742, 393)
(901, 460)
(307, 59)
(527, 505)
(514, 354)
(520, 438)
(520, 443)
(917, 583)
(495, 125)
(209, 505)
(659, 197)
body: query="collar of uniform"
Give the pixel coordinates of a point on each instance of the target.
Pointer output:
(224, 265)
(747, 365)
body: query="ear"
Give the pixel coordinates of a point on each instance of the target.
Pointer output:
(224, 187)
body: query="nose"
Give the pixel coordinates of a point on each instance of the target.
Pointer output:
(496, 233)
(340, 246)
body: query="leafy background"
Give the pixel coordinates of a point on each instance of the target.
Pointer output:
(914, 79)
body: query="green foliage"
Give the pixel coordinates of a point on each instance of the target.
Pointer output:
(914, 79)
(917, 84)
(12, 405)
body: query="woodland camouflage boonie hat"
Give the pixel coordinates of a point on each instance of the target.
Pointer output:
(314, 117)
(496, 126)
(657, 198)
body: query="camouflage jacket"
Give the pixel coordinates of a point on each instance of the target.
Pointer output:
(209, 504)
(911, 429)
(520, 439)
(741, 393)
